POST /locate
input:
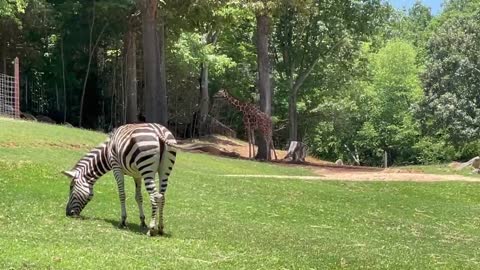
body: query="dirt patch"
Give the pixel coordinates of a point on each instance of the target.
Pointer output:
(366, 177)
(388, 175)
(70, 146)
(241, 147)
(9, 145)
(326, 170)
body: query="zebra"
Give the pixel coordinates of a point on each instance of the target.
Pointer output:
(137, 150)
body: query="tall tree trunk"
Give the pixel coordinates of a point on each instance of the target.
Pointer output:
(264, 85)
(26, 95)
(91, 50)
(57, 98)
(4, 58)
(204, 98)
(162, 93)
(64, 86)
(209, 38)
(154, 95)
(131, 49)
(292, 115)
(123, 79)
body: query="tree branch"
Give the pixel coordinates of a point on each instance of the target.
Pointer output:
(301, 79)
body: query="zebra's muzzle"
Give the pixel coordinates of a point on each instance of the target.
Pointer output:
(71, 213)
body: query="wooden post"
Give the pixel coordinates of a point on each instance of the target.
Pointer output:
(17, 88)
(385, 159)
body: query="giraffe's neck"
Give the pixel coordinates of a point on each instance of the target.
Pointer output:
(235, 102)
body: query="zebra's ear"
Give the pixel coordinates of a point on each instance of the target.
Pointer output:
(70, 174)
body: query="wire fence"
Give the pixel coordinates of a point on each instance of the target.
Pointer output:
(9, 93)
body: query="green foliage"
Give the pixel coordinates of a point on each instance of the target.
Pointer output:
(452, 79)
(9, 9)
(353, 67)
(432, 151)
(192, 50)
(395, 86)
(373, 114)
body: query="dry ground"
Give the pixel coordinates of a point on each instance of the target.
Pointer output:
(327, 170)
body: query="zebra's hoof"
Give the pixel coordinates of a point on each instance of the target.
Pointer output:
(122, 225)
(143, 225)
(152, 232)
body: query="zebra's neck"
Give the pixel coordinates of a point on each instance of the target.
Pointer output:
(95, 163)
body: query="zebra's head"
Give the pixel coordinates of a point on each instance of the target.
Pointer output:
(80, 193)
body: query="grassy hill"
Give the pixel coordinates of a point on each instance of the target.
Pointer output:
(215, 222)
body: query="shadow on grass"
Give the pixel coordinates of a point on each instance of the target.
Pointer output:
(133, 227)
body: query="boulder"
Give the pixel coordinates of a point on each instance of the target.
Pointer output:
(45, 119)
(27, 116)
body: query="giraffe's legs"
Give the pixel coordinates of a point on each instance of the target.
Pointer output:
(250, 146)
(253, 141)
(273, 148)
(248, 138)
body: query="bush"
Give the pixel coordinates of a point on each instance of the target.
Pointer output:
(433, 150)
(469, 150)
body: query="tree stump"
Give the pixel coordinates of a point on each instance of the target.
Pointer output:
(297, 151)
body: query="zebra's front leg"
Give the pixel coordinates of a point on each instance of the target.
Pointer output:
(117, 172)
(156, 202)
(139, 199)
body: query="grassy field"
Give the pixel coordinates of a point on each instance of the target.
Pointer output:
(442, 169)
(213, 222)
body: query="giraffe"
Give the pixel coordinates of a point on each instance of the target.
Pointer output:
(253, 119)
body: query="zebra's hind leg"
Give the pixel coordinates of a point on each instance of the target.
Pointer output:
(139, 199)
(117, 172)
(155, 200)
(165, 168)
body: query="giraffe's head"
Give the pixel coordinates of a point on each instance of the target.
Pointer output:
(221, 94)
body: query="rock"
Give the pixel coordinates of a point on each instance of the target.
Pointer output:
(476, 163)
(45, 119)
(339, 162)
(27, 116)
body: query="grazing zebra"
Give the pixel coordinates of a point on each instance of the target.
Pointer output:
(137, 150)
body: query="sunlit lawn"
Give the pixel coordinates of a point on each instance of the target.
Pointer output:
(225, 223)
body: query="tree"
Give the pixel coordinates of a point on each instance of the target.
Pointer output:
(394, 88)
(451, 108)
(263, 64)
(131, 75)
(155, 94)
(92, 46)
(308, 37)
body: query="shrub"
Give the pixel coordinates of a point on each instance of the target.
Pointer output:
(433, 150)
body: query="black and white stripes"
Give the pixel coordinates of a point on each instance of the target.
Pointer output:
(137, 150)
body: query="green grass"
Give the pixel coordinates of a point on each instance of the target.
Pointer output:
(213, 222)
(443, 169)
